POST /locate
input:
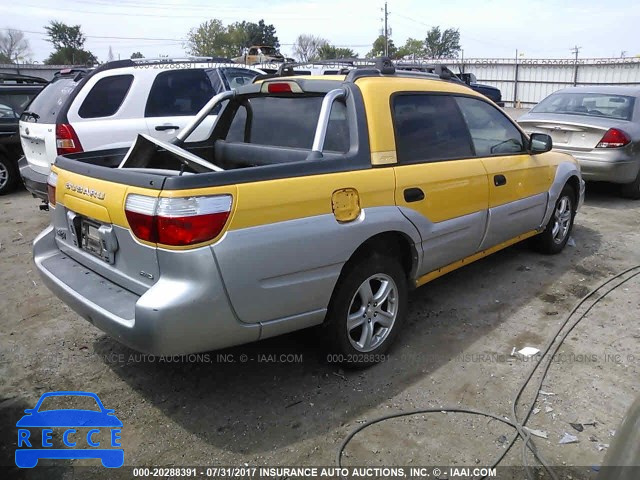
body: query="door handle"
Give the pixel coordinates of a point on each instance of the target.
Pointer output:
(413, 195)
(161, 128)
(499, 180)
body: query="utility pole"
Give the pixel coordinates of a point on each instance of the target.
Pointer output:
(575, 51)
(386, 31)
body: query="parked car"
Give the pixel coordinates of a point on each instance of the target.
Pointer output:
(469, 79)
(16, 91)
(316, 200)
(599, 126)
(108, 106)
(258, 54)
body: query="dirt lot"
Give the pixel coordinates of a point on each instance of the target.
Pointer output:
(296, 409)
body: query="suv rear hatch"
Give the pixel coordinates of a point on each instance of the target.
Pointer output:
(39, 121)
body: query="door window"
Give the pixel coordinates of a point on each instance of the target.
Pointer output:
(106, 97)
(492, 132)
(429, 128)
(179, 93)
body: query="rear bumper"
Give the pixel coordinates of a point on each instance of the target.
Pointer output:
(187, 312)
(606, 166)
(35, 182)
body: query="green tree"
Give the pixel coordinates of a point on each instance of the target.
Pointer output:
(442, 44)
(412, 48)
(330, 52)
(5, 59)
(137, 55)
(377, 49)
(68, 42)
(209, 39)
(213, 38)
(262, 34)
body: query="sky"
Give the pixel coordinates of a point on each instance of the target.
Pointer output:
(488, 28)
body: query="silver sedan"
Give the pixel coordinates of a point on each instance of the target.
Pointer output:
(599, 126)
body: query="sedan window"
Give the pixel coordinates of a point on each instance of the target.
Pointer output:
(594, 104)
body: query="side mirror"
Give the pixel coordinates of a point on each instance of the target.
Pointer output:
(540, 143)
(468, 78)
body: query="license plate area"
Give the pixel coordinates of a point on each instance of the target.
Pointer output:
(97, 239)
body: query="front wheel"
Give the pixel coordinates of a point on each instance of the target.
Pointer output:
(557, 232)
(367, 310)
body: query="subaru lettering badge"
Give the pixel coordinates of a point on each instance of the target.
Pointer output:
(85, 433)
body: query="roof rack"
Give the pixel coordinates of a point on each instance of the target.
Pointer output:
(187, 59)
(21, 79)
(368, 68)
(385, 66)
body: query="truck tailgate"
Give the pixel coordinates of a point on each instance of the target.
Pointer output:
(91, 227)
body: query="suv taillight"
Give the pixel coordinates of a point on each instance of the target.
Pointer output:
(66, 139)
(614, 138)
(52, 180)
(179, 221)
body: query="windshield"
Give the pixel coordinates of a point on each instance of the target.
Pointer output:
(605, 105)
(269, 51)
(50, 101)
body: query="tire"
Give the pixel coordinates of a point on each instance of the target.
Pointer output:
(9, 175)
(365, 339)
(632, 190)
(553, 241)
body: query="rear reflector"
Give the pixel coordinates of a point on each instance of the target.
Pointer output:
(177, 221)
(614, 138)
(66, 139)
(52, 181)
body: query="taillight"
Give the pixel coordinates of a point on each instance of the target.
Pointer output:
(177, 221)
(614, 138)
(279, 88)
(66, 139)
(52, 180)
(140, 211)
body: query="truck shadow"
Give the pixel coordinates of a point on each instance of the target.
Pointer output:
(259, 397)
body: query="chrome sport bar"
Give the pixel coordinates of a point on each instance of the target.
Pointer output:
(201, 115)
(323, 119)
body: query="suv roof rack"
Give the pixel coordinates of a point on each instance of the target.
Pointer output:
(186, 59)
(385, 66)
(21, 79)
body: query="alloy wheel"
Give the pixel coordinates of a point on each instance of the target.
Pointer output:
(372, 312)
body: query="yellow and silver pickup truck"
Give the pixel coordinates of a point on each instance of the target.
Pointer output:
(314, 201)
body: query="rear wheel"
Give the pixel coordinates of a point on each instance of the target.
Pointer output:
(556, 234)
(632, 190)
(366, 311)
(8, 175)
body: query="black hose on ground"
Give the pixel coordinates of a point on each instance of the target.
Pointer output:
(519, 426)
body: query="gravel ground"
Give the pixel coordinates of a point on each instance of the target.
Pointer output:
(296, 409)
